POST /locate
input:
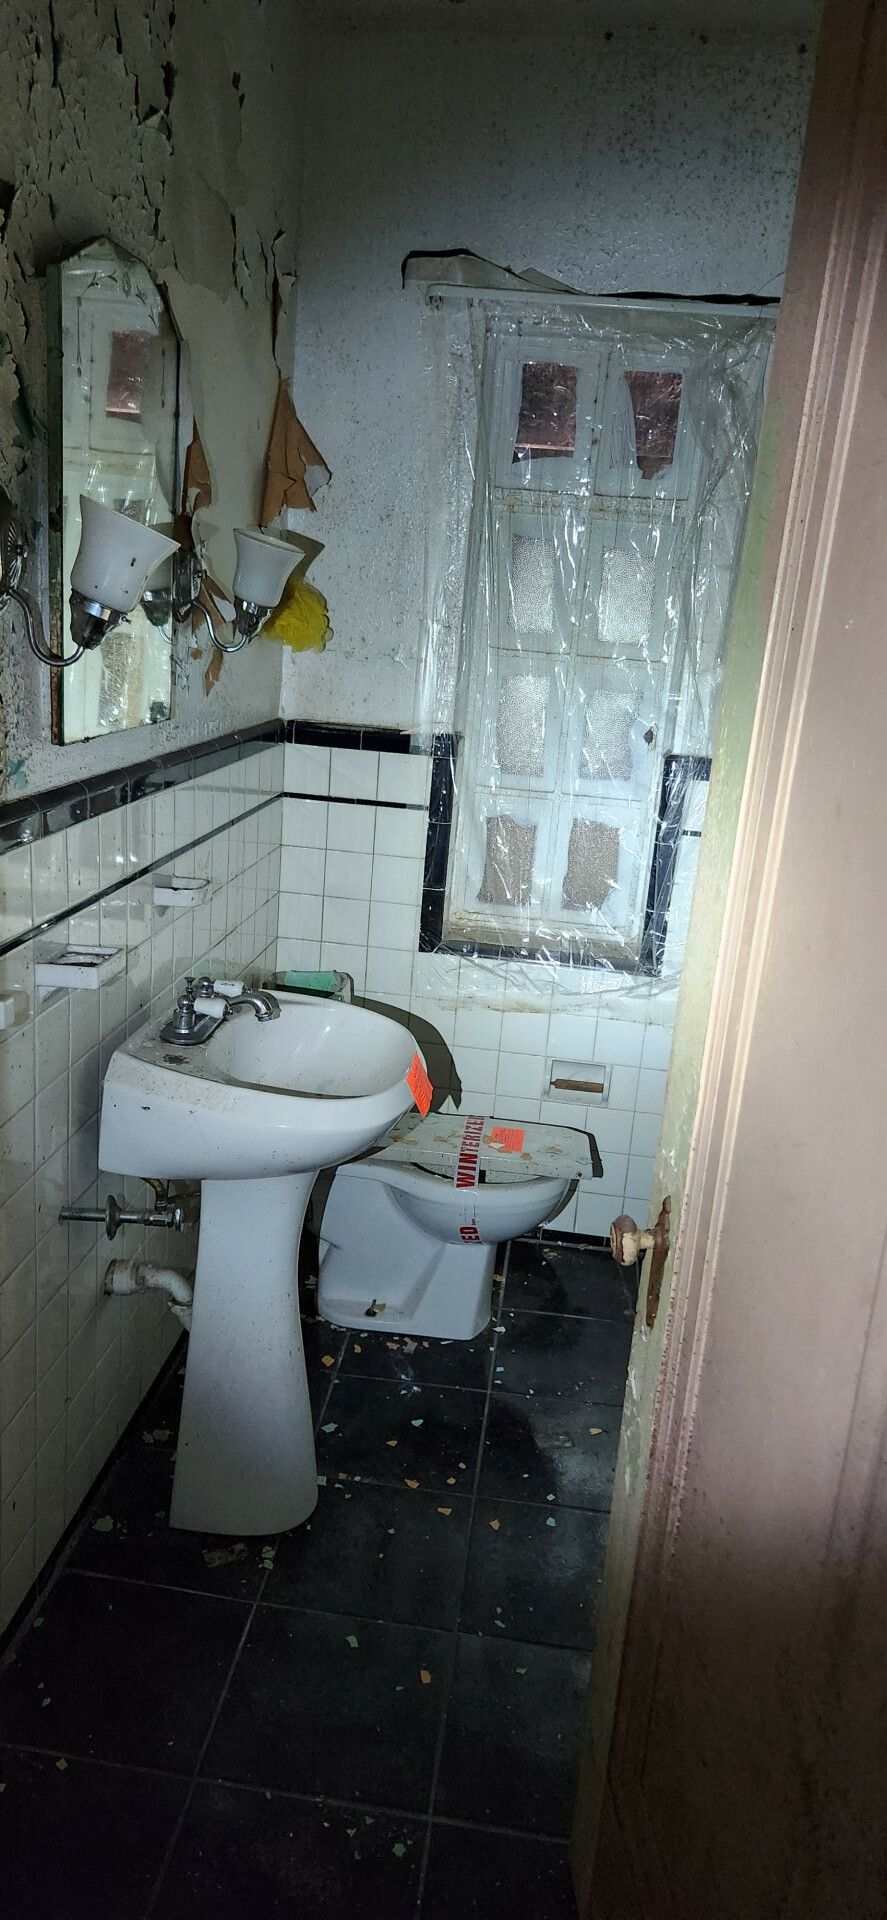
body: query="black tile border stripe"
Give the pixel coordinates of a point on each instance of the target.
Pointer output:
(317, 733)
(33, 816)
(679, 770)
(357, 800)
(163, 861)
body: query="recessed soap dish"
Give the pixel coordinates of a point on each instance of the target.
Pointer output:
(171, 890)
(78, 967)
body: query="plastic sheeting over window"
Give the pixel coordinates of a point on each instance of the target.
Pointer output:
(591, 473)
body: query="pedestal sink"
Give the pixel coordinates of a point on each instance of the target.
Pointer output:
(253, 1113)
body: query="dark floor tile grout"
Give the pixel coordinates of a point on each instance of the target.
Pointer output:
(495, 1320)
(163, 1586)
(93, 1760)
(183, 1815)
(504, 1833)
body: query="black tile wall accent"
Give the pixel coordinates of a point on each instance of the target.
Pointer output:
(311, 733)
(32, 816)
(678, 772)
(35, 815)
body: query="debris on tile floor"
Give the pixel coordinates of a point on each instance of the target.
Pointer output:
(194, 1726)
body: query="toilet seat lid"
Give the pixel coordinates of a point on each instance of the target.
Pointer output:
(463, 1146)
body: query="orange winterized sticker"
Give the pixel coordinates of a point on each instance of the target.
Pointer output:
(510, 1139)
(419, 1084)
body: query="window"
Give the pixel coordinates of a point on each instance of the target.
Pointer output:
(608, 493)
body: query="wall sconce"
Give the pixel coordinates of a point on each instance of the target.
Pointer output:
(115, 557)
(264, 565)
(114, 560)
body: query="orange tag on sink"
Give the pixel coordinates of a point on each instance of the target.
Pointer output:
(510, 1139)
(419, 1084)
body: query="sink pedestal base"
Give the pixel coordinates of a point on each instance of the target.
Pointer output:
(245, 1461)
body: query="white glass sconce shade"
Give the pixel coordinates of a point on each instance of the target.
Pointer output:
(264, 566)
(115, 557)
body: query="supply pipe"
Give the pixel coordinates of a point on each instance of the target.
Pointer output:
(139, 1276)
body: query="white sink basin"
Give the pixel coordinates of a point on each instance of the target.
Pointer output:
(317, 1086)
(253, 1112)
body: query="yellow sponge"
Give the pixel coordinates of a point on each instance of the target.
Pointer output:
(301, 619)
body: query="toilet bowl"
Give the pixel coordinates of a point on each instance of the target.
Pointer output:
(409, 1248)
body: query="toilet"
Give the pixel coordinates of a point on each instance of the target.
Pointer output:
(408, 1235)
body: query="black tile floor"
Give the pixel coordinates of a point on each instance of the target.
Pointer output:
(377, 1714)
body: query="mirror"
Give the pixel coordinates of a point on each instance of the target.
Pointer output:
(114, 395)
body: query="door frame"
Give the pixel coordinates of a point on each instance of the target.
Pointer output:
(838, 241)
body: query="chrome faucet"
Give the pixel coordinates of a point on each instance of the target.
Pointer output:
(188, 1028)
(264, 1005)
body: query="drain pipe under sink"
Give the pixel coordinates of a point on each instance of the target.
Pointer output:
(139, 1276)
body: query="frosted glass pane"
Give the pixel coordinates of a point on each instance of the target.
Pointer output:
(520, 727)
(609, 719)
(532, 584)
(655, 400)
(592, 864)
(508, 867)
(547, 423)
(626, 596)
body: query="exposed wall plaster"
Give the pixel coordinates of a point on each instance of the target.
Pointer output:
(167, 125)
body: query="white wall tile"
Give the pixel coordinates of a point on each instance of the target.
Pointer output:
(615, 1170)
(16, 914)
(510, 1107)
(389, 970)
(304, 823)
(346, 922)
(524, 1033)
(353, 773)
(520, 1075)
(300, 916)
(563, 1113)
(651, 1090)
(476, 1068)
(392, 926)
(16, 1152)
(640, 1174)
(397, 880)
(350, 828)
(401, 834)
(478, 1027)
(623, 1092)
(306, 769)
(49, 876)
(619, 1043)
(594, 1213)
(573, 1036)
(347, 959)
(300, 955)
(302, 869)
(405, 777)
(657, 1047)
(611, 1130)
(645, 1133)
(17, 1070)
(18, 1301)
(348, 876)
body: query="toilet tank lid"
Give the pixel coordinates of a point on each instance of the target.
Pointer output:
(502, 1150)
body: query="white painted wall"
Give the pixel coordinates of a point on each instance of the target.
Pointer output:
(639, 162)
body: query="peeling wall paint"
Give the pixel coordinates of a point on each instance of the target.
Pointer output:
(607, 159)
(167, 125)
